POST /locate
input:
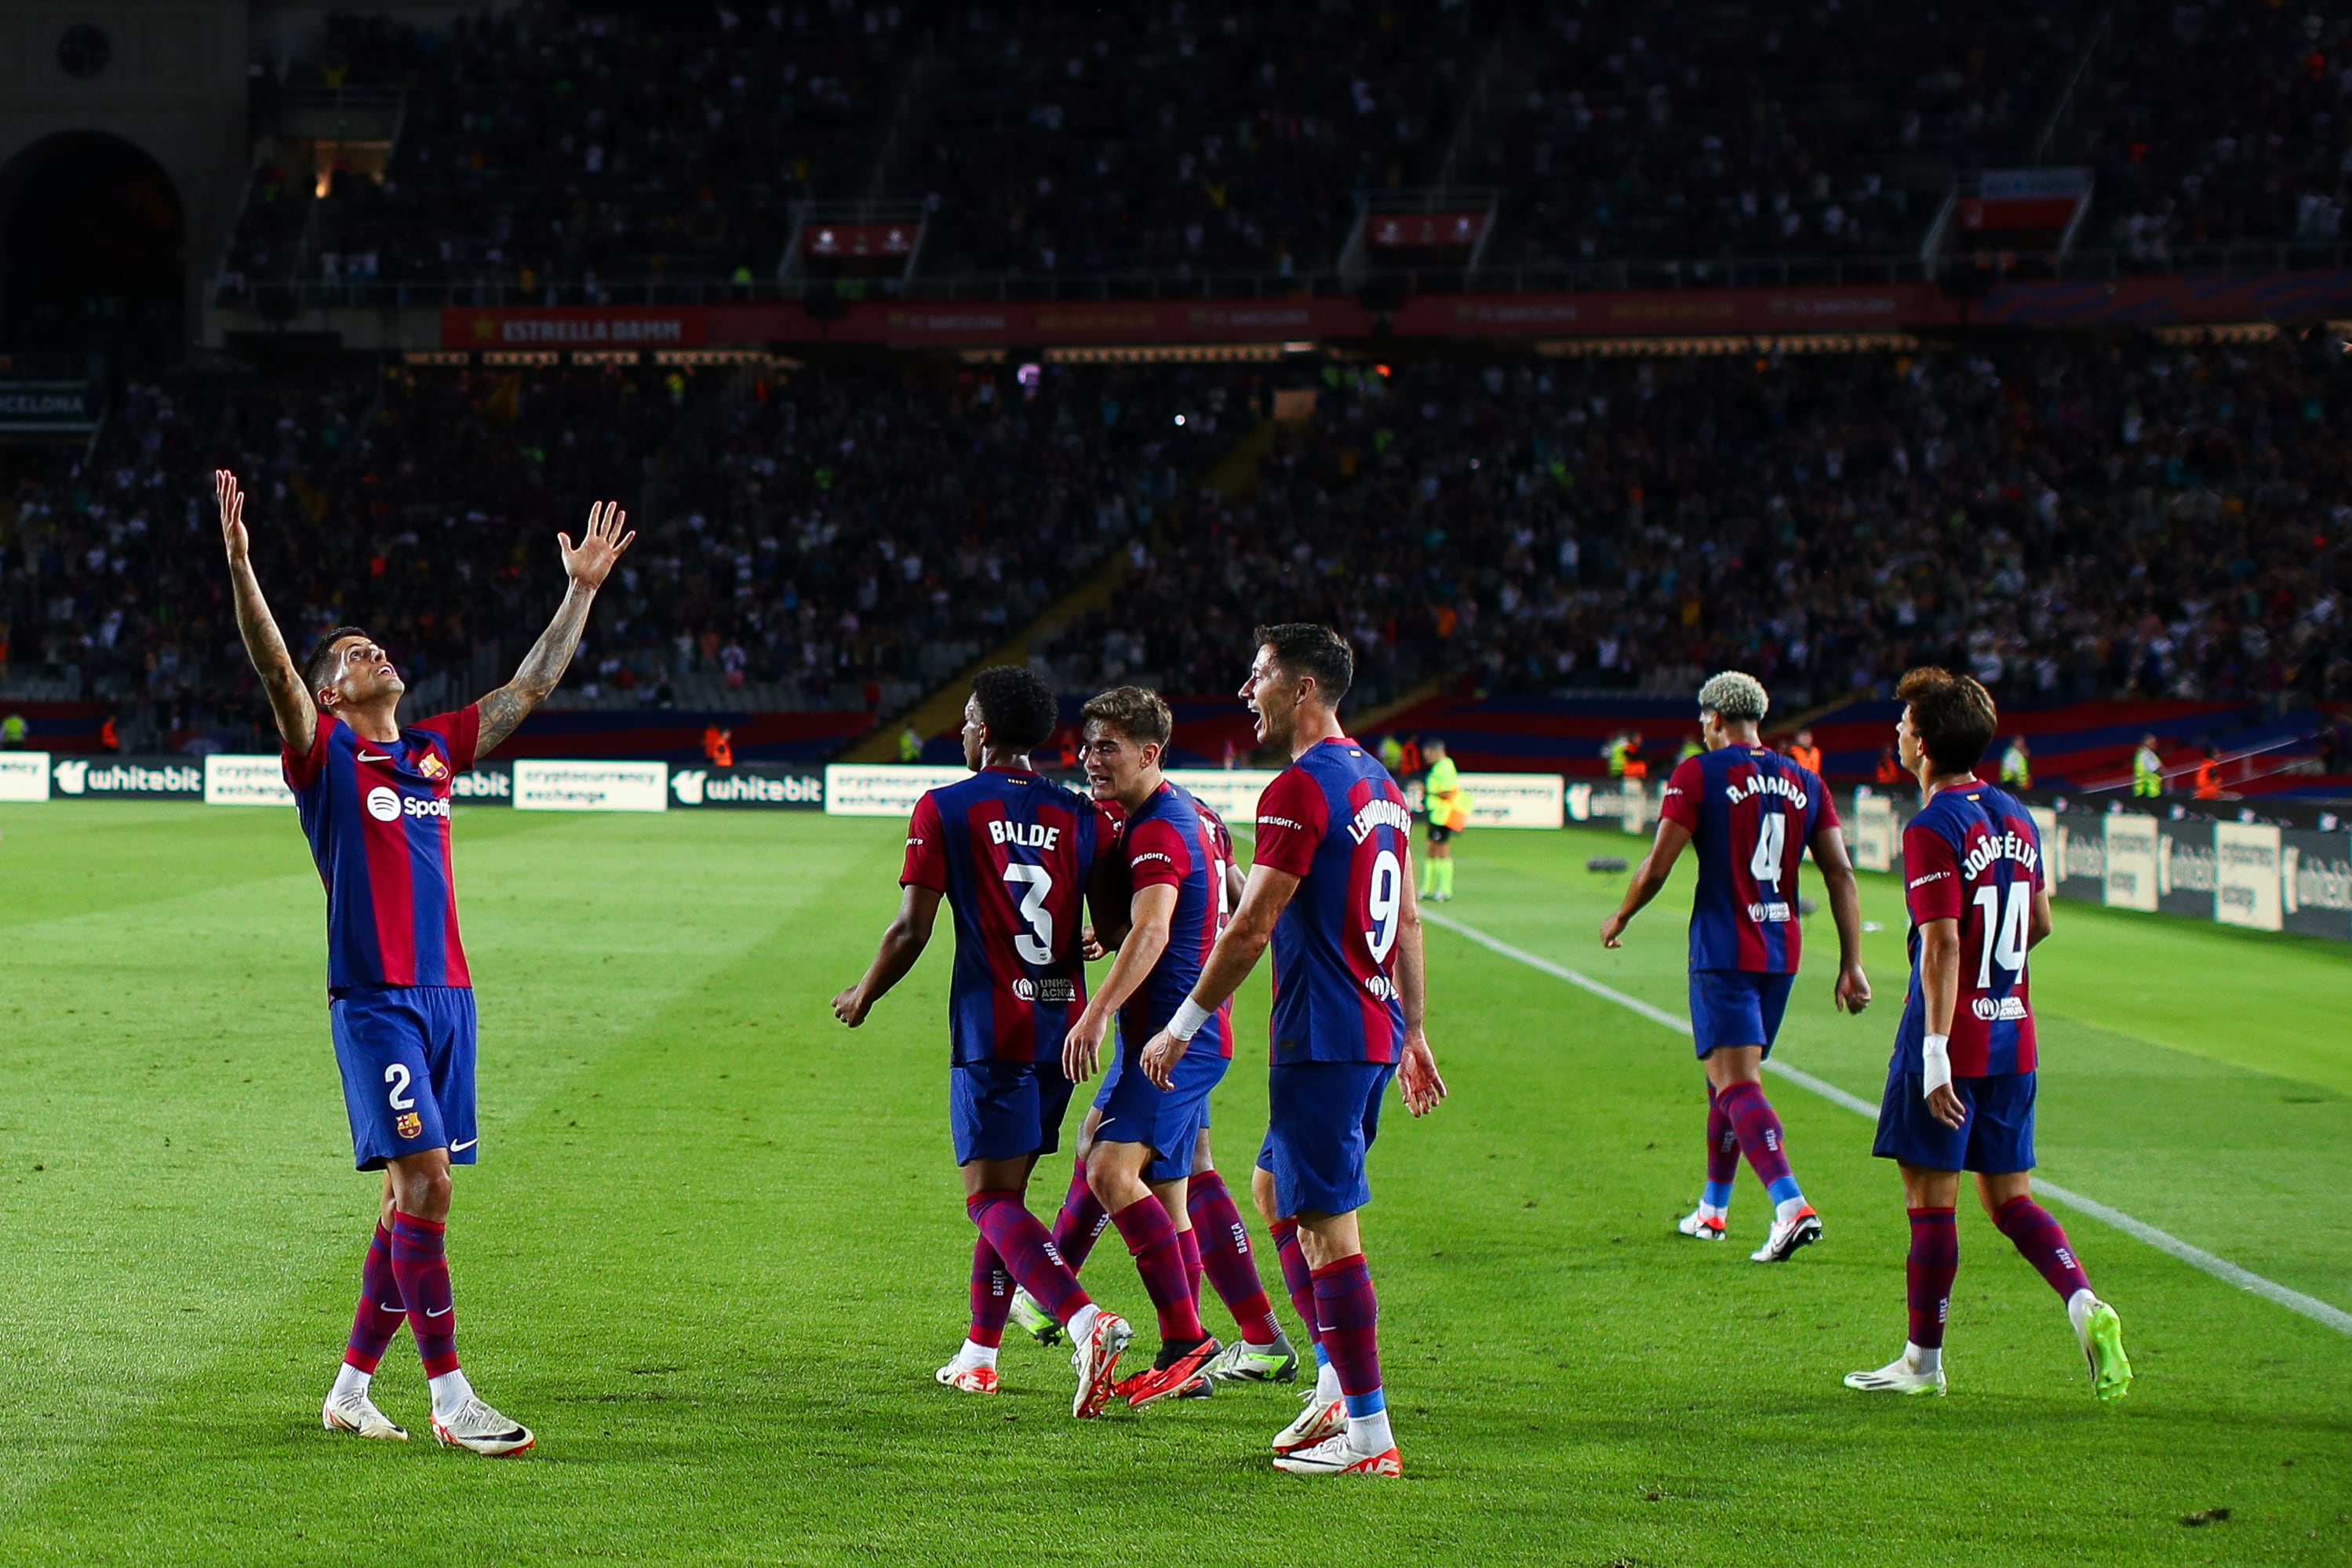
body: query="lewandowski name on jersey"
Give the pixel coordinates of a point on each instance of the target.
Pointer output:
(1338, 822)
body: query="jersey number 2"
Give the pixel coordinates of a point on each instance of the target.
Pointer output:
(2004, 931)
(1035, 946)
(398, 1096)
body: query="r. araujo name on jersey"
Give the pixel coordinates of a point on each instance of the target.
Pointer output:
(377, 816)
(1974, 856)
(1750, 813)
(1173, 841)
(1011, 854)
(1336, 819)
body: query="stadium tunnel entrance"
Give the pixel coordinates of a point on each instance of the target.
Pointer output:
(93, 245)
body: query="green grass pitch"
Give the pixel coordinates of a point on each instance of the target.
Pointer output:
(715, 1244)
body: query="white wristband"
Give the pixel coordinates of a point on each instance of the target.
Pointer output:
(1188, 1019)
(1936, 1063)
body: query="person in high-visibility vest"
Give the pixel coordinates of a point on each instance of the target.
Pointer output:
(1890, 769)
(2148, 769)
(1692, 746)
(910, 745)
(13, 730)
(1617, 752)
(1391, 754)
(2017, 765)
(1634, 767)
(2209, 775)
(1804, 753)
(1449, 813)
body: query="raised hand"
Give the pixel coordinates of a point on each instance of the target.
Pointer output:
(231, 515)
(590, 561)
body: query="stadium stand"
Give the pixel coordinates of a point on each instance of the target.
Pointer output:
(824, 542)
(2067, 520)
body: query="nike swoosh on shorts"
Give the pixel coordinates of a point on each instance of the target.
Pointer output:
(461, 1148)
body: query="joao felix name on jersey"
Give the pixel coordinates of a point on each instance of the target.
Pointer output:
(377, 815)
(1336, 819)
(1974, 856)
(1012, 852)
(1750, 812)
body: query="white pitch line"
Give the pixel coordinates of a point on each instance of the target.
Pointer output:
(2162, 1240)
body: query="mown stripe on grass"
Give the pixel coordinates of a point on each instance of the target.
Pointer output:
(2139, 1230)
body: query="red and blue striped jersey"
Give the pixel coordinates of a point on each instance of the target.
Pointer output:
(377, 815)
(1173, 841)
(1012, 853)
(1336, 821)
(1973, 856)
(1750, 812)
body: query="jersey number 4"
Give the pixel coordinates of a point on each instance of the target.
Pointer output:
(2004, 931)
(1771, 848)
(1036, 944)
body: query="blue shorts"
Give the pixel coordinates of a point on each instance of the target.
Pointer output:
(1996, 1137)
(1321, 1119)
(1168, 1122)
(407, 1058)
(1737, 1007)
(1004, 1110)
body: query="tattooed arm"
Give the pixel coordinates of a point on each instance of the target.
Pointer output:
(298, 718)
(586, 564)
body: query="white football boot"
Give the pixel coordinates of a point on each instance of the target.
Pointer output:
(356, 1412)
(478, 1429)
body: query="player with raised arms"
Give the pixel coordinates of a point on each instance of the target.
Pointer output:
(1144, 1155)
(1752, 813)
(1961, 1086)
(1330, 888)
(1012, 853)
(373, 800)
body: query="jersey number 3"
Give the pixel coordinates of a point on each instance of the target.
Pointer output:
(1036, 944)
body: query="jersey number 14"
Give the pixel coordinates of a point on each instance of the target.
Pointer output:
(2004, 931)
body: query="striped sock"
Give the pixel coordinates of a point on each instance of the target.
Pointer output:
(1028, 1253)
(420, 1262)
(1233, 1268)
(382, 1308)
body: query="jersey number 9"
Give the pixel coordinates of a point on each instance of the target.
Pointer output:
(1384, 901)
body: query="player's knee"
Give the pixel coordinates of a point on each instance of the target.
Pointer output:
(1262, 1194)
(424, 1194)
(1201, 1162)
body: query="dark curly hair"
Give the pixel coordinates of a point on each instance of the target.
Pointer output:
(1952, 715)
(1016, 705)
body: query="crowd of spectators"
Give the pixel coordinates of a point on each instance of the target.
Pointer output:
(2066, 520)
(840, 539)
(1652, 130)
(2222, 122)
(1184, 137)
(563, 152)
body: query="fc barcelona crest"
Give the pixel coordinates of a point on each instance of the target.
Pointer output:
(408, 1125)
(433, 768)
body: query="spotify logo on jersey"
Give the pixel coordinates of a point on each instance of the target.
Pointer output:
(383, 804)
